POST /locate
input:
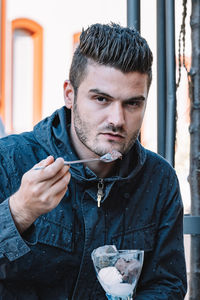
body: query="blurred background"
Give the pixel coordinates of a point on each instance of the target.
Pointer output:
(38, 38)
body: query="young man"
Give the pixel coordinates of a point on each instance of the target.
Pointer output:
(51, 219)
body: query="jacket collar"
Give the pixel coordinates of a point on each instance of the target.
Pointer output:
(53, 133)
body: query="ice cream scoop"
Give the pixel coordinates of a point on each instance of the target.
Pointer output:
(128, 269)
(110, 275)
(112, 281)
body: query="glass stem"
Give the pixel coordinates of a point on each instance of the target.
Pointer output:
(110, 297)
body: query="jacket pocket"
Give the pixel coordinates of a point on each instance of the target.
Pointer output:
(54, 234)
(141, 238)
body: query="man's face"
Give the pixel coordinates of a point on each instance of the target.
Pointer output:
(108, 111)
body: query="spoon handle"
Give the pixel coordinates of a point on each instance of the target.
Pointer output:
(71, 162)
(80, 161)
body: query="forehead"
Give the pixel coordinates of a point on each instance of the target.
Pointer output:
(113, 81)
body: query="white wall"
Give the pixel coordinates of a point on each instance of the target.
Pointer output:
(60, 20)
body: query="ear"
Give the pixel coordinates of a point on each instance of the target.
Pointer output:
(68, 94)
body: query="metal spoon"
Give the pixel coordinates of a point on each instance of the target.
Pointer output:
(108, 157)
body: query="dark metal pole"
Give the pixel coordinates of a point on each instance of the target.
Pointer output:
(133, 14)
(133, 18)
(161, 78)
(171, 81)
(194, 129)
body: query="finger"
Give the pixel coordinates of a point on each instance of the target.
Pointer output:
(54, 194)
(55, 170)
(61, 184)
(45, 162)
(45, 180)
(52, 179)
(49, 168)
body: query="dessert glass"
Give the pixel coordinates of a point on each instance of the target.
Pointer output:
(118, 271)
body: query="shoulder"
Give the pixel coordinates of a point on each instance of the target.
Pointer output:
(20, 151)
(160, 171)
(157, 161)
(17, 142)
(164, 179)
(18, 154)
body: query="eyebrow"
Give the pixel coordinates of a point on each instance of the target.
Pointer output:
(136, 98)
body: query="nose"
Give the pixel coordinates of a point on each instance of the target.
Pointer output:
(116, 114)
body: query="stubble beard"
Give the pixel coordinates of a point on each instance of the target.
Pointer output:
(83, 132)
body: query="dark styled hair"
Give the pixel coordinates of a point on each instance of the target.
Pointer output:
(112, 45)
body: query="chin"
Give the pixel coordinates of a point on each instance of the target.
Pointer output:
(108, 148)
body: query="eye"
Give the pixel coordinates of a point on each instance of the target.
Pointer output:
(102, 99)
(134, 103)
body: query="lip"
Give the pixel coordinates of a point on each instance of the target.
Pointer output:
(113, 136)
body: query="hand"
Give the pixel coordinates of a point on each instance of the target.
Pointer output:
(40, 192)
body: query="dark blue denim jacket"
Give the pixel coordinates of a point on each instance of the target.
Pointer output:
(141, 209)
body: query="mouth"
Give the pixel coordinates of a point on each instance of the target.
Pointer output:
(113, 136)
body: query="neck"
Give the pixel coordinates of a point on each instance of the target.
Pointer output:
(102, 169)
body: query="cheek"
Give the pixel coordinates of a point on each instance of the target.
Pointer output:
(94, 118)
(135, 120)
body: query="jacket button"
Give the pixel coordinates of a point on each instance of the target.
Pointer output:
(126, 195)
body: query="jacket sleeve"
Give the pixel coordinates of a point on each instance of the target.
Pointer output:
(12, 245)
(164, 272)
